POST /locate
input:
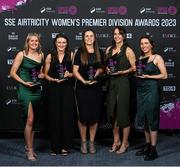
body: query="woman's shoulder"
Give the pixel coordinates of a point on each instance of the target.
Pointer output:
(108, 49)
(129, 52)
(129, 49)
(20, 54)
(157, 57)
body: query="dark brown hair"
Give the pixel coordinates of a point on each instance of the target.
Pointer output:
(150, 41)
(67, 51)
(84, 52)
(122, 31)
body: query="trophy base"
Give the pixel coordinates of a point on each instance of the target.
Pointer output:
(36, 83)
(112, 73)
(63, 78)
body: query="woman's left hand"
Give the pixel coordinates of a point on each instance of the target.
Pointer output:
(118, 73)
(97, 73)
(67, 74)
(41, 75)
(143, 76)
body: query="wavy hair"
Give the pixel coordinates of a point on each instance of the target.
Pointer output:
(26, 45)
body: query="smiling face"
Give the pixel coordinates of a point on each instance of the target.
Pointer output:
(89, 38)
(61, 44)
(146, 46)
(33, 43)
(118, 37)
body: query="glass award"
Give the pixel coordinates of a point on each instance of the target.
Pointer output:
(91, 73)
(140, 66)
(60, 69)
(34, 76)
(112, 65)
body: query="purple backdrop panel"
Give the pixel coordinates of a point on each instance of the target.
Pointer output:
(170, 115)
(10, 5)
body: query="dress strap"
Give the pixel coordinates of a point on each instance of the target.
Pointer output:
(23, 53)
(154, 57)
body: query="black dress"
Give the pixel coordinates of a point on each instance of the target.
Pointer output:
(61, 107)
(88, 97)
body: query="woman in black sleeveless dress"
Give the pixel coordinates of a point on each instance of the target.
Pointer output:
(87, 67)
(58, 71)
(148, 96)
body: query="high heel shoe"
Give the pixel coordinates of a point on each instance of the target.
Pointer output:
(115, 147)
(26, 149)
(122, 149)
(92, 148)
(30, 155)
(64, 152)
(53, 152)
(84, 147)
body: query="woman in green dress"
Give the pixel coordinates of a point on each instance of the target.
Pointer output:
(27, 70)
(120, 62)
(148, 95)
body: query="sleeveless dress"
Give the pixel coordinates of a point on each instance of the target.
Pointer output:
(27, 95)
(88, 97)
(61, 107)
(118, 95)
(148, 99)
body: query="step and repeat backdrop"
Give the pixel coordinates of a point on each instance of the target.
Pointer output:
(158, 18)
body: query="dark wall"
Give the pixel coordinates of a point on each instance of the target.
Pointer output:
(159, 18)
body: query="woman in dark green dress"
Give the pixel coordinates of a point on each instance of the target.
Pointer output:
(120, 62)
(152, 68)
(58, 71)
(27, 70)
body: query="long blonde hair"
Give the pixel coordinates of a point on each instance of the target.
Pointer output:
(26, 46)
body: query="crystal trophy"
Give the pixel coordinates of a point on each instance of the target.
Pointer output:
(34, 77)
(140, 66)
(91, 73)
(112, 65)
(60, 69)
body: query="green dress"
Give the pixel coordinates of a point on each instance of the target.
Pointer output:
(26, 94)
(148, 99)
(118, 96)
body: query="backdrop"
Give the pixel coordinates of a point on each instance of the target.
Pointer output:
(157, 18)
